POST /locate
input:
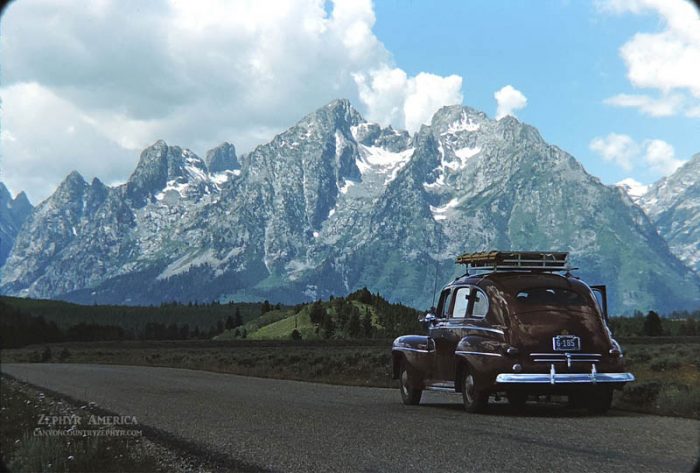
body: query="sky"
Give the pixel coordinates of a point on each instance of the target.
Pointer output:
(87, 86)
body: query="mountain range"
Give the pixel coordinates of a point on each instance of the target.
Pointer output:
(336, 203)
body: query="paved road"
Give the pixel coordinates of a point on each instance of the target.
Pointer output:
(296, 426)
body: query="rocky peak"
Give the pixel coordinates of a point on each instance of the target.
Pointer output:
(5, 196)
(673, 204)
(72, 187)
(21, 204)
(222, 158)
(159, 164)
(336, 115)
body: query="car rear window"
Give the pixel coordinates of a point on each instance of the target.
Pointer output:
(550, 296)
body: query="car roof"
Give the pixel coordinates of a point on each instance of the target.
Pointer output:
(513, 281)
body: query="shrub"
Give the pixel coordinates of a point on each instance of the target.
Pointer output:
(63, 356)
(663, 364)
(641, 393)
(46, 355)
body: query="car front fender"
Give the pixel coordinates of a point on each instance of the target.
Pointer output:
(417, 351)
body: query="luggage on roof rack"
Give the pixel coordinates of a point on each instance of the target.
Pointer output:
(516, 260)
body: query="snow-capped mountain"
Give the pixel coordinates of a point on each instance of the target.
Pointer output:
(673, 204)
(13, 213)
(336, 203)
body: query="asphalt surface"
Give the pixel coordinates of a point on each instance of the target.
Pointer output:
(302, 427)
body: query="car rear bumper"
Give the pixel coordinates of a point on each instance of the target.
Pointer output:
(564, 378)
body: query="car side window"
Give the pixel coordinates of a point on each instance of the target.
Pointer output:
(444, 304)
(481, 304)
(459, 310)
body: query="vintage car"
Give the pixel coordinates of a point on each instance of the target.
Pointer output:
(520, 325)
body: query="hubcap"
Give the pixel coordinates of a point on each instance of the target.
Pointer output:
(469, 388)
(404, 382)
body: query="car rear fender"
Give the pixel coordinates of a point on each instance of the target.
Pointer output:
(481, 355)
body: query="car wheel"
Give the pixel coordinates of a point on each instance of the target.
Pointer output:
(474, 399)
(410, 396)
(517, 399)
(600, 401)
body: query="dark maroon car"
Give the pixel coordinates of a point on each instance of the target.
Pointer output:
(521, 325)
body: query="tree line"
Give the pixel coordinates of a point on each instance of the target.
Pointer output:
(677, 323)
(19, 328)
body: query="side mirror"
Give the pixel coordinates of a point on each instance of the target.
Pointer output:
(428, 320)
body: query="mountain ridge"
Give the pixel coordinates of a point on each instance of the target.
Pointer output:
(336, 203)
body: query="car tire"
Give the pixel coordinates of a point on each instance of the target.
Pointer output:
(410, 396)
(517, 399)
(600, 400)
(473, 398)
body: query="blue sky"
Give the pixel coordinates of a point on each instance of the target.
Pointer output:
(87, 86)
(563, 55)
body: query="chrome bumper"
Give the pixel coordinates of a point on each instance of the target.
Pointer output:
(564, 378)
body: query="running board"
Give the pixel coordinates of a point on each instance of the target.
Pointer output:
(443, 388)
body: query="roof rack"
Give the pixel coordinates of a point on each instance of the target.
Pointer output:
(516, 261)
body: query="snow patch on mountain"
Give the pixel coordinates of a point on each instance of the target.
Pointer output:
(374, 159)
(440, 213)
(464, 124)
(634, 189)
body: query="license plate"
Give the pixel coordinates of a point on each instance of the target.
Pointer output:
(566, 343)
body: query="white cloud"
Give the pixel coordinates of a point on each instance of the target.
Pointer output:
(658, 155)
(192, 73)
(391, 97)
(509, 99)
(664, 106)
(616, 148)
(667, 61)
(49, 139)
(661, 157)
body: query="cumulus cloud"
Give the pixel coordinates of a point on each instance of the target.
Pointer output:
(126, 73)
(661, 157)
(508, 100)
(616, 148)
(392, 97)
(657, 155)
(667, 62)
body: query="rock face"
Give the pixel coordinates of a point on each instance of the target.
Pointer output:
(673, 204)
(222, 158)
(13, 213)
(336, 203)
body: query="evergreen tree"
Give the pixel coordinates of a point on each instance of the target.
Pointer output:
(328, 326)
(354, 326)
(185, 332)
(229, 323)
(367, 324)
(317, 313)
(237, 320)
(652, 324)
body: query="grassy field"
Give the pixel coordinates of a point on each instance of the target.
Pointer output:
(667, 370)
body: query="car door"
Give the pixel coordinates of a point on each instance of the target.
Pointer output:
(439, 333)
(452, 333)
